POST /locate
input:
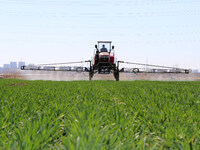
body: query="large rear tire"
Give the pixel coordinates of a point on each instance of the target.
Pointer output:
(116, 75)
(91, 74)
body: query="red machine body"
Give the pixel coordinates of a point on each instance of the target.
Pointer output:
(112, 58)
(104, 54)
(104, 57)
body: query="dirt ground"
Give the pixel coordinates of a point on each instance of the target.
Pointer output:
(17, 84)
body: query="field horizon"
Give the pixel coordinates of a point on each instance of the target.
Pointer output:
(66, 76)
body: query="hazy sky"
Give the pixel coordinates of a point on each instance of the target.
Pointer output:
(166, 32)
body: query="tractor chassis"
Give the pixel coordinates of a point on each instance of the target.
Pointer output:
(104, 68)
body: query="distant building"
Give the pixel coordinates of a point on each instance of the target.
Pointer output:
(21, 63)
(13, 65)
(1, 70)
(6, 66)
(195, 71)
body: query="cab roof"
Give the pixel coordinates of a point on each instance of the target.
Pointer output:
(104, 41)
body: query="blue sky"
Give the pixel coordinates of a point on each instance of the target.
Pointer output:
(166, 32)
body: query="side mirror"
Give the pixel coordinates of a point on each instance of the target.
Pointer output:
(113, 47)
(96, 46)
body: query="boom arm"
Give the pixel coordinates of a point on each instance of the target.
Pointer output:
(57, 67)
(155, 69)
(115, 70)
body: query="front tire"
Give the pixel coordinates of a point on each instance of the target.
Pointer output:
(91, 74)
(116, 75)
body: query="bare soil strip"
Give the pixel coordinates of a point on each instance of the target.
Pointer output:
(17, 84)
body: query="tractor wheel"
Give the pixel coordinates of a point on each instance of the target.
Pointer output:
(90, 78)
(91, 75)
(136, 70)
(187, 71)
(116, 75)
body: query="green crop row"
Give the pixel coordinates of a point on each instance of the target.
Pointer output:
(99, 115)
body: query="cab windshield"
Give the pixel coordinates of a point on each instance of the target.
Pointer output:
(104, 47)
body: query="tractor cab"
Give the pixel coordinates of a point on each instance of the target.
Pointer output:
(104, 53)
(104, 46)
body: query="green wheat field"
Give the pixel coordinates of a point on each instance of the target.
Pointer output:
(84, 115)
